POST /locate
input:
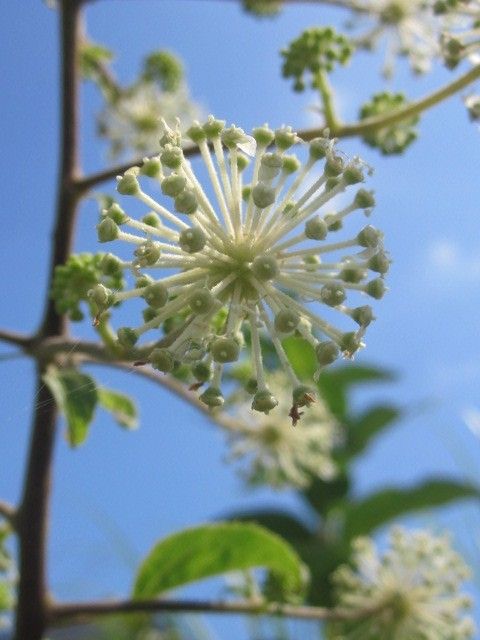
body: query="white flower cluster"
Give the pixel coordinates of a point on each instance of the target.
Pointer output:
(271, 452)
(249, 262)
(412, 592)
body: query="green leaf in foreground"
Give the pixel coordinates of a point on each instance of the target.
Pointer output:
(214, 549)
(76, 396)
(121, 406)
(364, 516)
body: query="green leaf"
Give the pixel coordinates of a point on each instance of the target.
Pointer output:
(121, 406)
(213, 549)
(363, 429)
(283, 523)
(322, 496)
(76, 396)
(301, 356)
(362, 517)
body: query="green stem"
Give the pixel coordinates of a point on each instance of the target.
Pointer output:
(326, 94)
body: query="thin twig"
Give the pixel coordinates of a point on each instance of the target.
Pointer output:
(13, 337)
(8, 512)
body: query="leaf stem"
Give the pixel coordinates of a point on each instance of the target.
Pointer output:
(323, 85)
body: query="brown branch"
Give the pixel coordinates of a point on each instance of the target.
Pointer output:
(13, 337)
(60, 613)
(32, 517)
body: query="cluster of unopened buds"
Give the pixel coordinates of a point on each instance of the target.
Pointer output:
(244, 259)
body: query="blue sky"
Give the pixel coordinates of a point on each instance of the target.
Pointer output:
(115, 496)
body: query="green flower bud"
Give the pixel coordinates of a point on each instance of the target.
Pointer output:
(331, 183)
(225, 349)
(212, 397)
(156, 295)
(242, 162)
(332, 294)
(143, 281)
(265, 267)
(349, 343)
(311, 263)
(171, 157)
(186, 202)
(110, 265)
(327, 352)
(352, 272)
(162, 360)
(369, 237)
(150, 167)
(316, 228)
(127, 337)
(334, 166)
(333, 223)
(232, 136)
(290, 164)
(251, 386)
(152, 219)
(286, 321)
(379, 263)
(364, 199)
(202, 371)
(149, 314)
(270, 166)
(201, 301)
(173, 184)
(303, 396)
(363, 316)
(147, 254)
(376, 288)
(213, 128)
(196, 133)
(192, 240)
(285, 137)
(128, 185)
(263, 195)
(264, 401)
(264, 136)
(319, 148)
(116, 213)
(353, 174)
(107, 230)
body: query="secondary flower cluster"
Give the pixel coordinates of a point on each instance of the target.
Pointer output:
(249, 261)
(412, 591)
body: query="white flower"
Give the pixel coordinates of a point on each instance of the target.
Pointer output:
(412, 590)
(273, 452)
(460, 38)
(252, 259)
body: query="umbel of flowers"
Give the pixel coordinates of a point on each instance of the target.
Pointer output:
(244, 259)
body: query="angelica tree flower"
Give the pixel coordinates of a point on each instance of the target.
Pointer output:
(271, 452)
(412, 591)
(460, 38)
(245, 256)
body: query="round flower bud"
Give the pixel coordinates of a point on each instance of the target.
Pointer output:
(242, 162)
(316, 228)
(147, 254)
(173, 184)
(285, 137)
(192, 240)
(319, 148)
(379, 263)
(353, 174)
(364, 199)
(127, 337)
(149, 314)
(186, 202)
(202, 371)
(231, 136)
(311, 263)
(107, 230)
(290, 164)
(116, 213)
(265, 267)
(331, 183)
(333, 223)
(212, 397)
(286, 321)
(162, 360)
(349, 343)
(264, 401)
(352, 272)
(171, 157)
(270, 166)
(327, 352)
(376, 288)
(194, 352)
(150, 167)
(101, 296)
(369, 237)
(363, 316)
(128, 185)
(213, 128)
(251, 386)
(333, 166)
(110, 265)
(201, 301)
(143, 281)
(152, 219)
(332, 294)
(263, 195)
(196, 133)
(263, 135)
(303, 396)
(156, 295)
(225, 349)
